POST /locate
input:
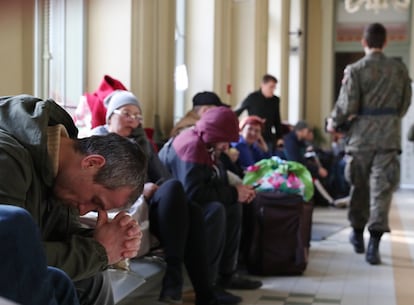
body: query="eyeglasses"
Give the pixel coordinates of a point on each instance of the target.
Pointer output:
(127, 115)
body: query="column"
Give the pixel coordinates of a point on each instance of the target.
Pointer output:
(152, 61)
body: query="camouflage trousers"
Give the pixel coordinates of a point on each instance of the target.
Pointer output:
(373, 177)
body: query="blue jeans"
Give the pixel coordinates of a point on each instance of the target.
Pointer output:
(341, 186)
(25, 277)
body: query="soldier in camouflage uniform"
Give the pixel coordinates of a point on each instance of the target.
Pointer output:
(375, 95)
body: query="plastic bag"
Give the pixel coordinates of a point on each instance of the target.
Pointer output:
(276, 174)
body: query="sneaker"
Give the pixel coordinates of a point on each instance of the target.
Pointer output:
(239, 282)
(226, 298)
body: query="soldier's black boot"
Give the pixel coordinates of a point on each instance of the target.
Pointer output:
(357, 240)
(373, 256)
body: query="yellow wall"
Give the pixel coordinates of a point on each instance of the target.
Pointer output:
(319, 61)
(16, 49)
(108, 41)
(133, 42)
(129, 40)
(274, 49)
(200, 44)
(152, 61)
(243, 68)
(313, 55)
(249, 47)
(314, 62)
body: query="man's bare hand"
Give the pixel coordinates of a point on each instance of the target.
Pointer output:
(262, 143)
(323, 173)
(330, 125)
(246, 193)
(149, 190)
(121, 237)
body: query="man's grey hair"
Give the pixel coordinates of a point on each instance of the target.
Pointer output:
(125, 162)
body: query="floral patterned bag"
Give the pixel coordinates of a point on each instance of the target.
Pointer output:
(276, 174)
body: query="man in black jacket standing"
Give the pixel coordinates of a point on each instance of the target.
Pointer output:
(265, 104)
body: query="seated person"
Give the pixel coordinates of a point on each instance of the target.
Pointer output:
(174, 221)
(25, 278)
(193, 158)
(296, 149)
(339, 184)
(315, 154)
(202, 102)
(251, 145)
(337, 189)
(279, 147)
(57, 177)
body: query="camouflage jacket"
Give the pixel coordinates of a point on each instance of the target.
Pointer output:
(375, 95)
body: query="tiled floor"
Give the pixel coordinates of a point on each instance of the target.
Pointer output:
(336, 275)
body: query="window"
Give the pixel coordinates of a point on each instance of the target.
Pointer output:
(181, 76)
(59, 56)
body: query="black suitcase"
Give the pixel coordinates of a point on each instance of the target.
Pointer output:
(276, 234)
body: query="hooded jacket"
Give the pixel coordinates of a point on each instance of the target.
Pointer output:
(189, 157)
(27, 178)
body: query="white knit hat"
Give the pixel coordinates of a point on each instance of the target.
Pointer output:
(117, 99)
